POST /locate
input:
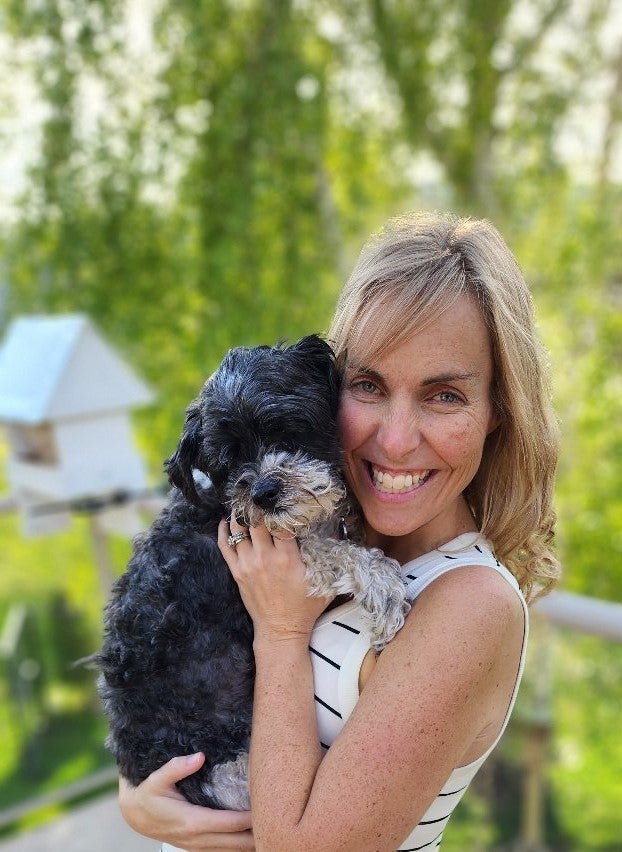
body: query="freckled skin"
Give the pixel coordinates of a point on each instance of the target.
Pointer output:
(423, 407)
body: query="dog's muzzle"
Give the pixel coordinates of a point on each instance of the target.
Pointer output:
(265, 493)
(286, 492)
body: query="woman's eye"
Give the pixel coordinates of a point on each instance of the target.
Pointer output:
(365, 385)
(448, 396)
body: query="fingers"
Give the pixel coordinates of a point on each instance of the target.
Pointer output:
(260, 536)
(247, 538)
(155, 808)
(176, 769)
(228, 550)
(257, 535)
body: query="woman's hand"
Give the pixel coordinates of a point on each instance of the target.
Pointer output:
(156, 808)
(271, 577)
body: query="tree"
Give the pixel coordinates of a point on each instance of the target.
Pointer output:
(233, 247)
(484, 85)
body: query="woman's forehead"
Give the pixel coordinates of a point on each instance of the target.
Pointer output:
(455, 340)
(383, 325)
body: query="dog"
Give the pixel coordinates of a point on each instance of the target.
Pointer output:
(177, 667)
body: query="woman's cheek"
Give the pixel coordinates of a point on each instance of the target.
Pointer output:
(464, 441)
(347, 424)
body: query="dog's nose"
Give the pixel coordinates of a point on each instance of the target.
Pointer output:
(265, 493)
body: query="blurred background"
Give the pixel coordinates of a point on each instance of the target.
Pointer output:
(181, 176)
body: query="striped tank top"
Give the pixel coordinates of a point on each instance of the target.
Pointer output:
(341, 639)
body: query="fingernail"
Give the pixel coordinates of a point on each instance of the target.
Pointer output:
(193, 758)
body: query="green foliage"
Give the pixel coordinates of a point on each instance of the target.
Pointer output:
(240, 247)
(587, 699)
(571, 252)
(474, 90)
(51, 725)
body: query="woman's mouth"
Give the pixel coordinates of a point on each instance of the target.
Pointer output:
(397, 482)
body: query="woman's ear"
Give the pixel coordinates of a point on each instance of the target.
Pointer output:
(187, 456)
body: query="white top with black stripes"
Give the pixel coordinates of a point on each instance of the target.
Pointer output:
(340, 641)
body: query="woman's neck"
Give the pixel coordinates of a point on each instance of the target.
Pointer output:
(425, 539)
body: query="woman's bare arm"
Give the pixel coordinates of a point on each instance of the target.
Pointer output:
(434, 688)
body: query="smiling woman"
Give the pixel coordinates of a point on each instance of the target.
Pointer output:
(450, 289)
(413, 429)
(449, 445)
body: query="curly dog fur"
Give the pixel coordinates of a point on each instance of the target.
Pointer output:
(177, 666)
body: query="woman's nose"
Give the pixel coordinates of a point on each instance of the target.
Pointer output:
(398, 435)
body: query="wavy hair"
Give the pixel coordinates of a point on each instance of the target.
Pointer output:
(414, 268)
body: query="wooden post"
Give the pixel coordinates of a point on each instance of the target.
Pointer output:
(535, 757)
(101, 552)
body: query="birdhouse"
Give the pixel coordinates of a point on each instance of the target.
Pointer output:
(65, 402)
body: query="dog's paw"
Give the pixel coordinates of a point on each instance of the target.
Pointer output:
(385, 625)
(383, 595)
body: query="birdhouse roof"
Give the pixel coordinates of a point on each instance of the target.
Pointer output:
(56, 367)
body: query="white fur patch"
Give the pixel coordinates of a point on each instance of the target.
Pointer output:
(229, 784)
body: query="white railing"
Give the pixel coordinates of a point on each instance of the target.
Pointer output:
(584, 614)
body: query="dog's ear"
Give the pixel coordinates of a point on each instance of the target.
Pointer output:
(187, 456)
(321, 358)
(317, 351)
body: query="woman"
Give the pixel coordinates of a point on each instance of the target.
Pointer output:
(450, 447)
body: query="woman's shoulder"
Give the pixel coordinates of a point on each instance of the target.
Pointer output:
(466, 561)
(476, 590)
(472, 614)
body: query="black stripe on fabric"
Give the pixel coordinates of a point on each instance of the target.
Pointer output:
(432, 821)
(328, 707)
(326, 659)
(438, 838)
(478, 548)
(411, 576)
(447, 556)
(347, 627)
(453, 792)
(324, 745)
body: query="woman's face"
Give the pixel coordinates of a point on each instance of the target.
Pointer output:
(413, 425)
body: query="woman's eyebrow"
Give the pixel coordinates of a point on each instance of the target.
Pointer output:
(444, 378)
(362, 368)
(439, 379)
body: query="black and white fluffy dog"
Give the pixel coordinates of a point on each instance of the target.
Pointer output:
(177, 666)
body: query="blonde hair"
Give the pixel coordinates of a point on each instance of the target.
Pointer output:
(405, 275)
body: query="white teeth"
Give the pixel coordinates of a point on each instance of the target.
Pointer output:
(399, 483)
